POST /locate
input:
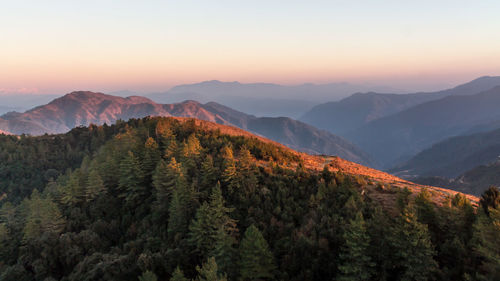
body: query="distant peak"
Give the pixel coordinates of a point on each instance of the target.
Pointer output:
(190, 102)
(84, 94)
(218, 82)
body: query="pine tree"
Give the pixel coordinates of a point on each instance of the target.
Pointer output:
(178, 275)
(95, 185)
(208, 176)
(164, 134)
(246, 171)
(209, 272)
(172, 150)
(151, 157)
(490, 199)
(132, 180)
(355, 263)
(229, 175)
(180, 210)
(42, 215)
(413, 248)
(73, 192)
(256, 260)
(131, 175)
(224, 253)
(165, 178)
(211, 218)
(486, 244)
(190, 153)
(148, 276)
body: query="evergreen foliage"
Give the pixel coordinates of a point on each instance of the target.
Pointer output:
(146, 198)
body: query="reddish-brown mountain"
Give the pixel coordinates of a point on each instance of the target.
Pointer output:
(85, 108)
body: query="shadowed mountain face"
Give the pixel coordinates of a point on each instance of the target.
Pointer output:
(398, 137)
(264, 99)
(84, 108)
(344, 116)
(474, 181)
(453, 156)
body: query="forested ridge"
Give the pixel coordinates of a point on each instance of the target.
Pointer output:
(166, 199)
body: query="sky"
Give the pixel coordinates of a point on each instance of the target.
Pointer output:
(60, 46)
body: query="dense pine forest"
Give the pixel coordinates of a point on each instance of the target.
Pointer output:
(166, 199)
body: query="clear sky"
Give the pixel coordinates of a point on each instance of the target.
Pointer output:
(57, 46)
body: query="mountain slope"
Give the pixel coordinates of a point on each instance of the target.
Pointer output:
(359, 109)
(114, 203)
(453, 156)
(84, 108)
(398, 137)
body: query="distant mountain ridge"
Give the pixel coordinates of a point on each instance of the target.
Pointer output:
(453, 157)
(83, 108)
(346, 115)
(264, 99)
(398, 137)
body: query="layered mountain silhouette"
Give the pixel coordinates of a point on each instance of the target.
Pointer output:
(84, 108)
(474, 181)
(398, 137)
(453, 157)
(346, 115)
(264, 99)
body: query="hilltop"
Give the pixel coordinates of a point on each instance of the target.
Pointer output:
(83, 108)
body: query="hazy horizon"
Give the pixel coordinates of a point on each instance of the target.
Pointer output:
(150, 46)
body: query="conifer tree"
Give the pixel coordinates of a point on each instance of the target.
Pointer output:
(211, 218)
(95, 185)
(180, 210)
(246, 171)
(131, 180)
(148, 276)
(190, 153)
(73, 192)
(256, 260)
(229, 175)
(151, 156)
(355, 264)
(486, 244)
(224, 253)
(209, 272)
(172, 150)
(413, 248)
(208, 176)
(42, 215)
(490, 199)
(165, 178)
(178, 275)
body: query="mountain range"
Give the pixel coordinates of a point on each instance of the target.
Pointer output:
(84, 108)
(396, 138)
(347, 115)
(474, 181)
(264, 99)
(453, 157)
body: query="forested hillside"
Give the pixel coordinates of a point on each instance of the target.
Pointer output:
(83, 108)
(172, 199)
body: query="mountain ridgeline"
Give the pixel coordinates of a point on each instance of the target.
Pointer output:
(351, 113)
(264, 99)
(185, 199)
(85, 108)
(398, 137)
